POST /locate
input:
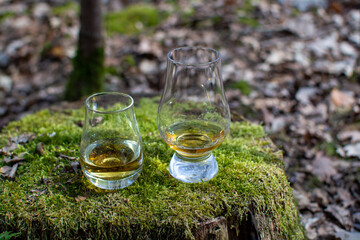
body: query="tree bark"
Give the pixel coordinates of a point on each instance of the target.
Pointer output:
(222, 228)
(91, 31)
(88, 65)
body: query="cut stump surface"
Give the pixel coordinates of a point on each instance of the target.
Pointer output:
(250, 198)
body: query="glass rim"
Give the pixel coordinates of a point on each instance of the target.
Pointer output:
(109, 93)
(194, 64)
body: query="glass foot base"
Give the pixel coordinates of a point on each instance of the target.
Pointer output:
(113, 184)
(193, 172)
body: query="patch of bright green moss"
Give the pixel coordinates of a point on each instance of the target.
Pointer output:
(133, 19)
(243, 86)
(6, 15)
(112, 70)
(329, 148)
(43, 201)
(66, 7)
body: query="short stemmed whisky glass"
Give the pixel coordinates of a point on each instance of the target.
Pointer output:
(111, 145)
(193, 115)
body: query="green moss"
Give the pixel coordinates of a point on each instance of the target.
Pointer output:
(133, 19)
(66, 7)
(87, 76)
(249, 21)
(111, 70)
(329, 148)
(295, 12)
(243, 86)
(129, 60)
(6, 15)
(247, 7)
(246, 15)
(45, 48)
(314, 182)
(8, 235)
(42, 202)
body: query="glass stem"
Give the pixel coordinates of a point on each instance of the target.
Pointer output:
(193, 159)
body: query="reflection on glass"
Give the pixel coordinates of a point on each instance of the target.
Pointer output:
(193, 115)
(111, 146)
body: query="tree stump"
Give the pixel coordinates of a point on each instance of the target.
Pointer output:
(49, 198)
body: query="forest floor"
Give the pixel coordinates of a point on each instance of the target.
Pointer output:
(295, 72)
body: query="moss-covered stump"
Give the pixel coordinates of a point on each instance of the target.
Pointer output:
(51, 199)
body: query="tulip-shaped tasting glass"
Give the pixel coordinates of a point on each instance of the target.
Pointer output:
(193, 116)
(111, 145)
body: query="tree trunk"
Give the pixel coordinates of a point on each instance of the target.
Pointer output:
(88, 65)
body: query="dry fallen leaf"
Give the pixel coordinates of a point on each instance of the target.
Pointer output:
(95, 121)
(305, 94)
(353, 150)
(322, 167)
(23, 138)
(13, 171)
(340, 99)
(302, 198)
(320, 196)
(5, 170)
(8, 171)
(13, 159)
(75, 165)
(345, 235)
(57, 52)
(344, 196)
(36, 193)
(341, 214)
(337, 7)
(81, 198)
(14, 141)
(353, 135)
(8, 148)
